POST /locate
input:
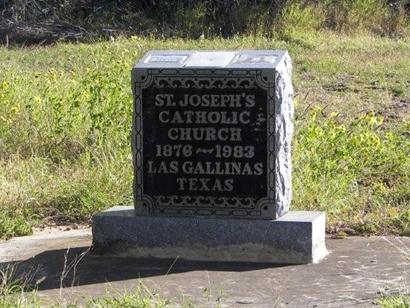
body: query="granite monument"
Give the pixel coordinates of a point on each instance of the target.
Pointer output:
(211, 144)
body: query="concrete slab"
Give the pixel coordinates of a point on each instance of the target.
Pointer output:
(297, 237)
(358, 270)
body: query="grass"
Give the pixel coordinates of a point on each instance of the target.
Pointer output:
(399, 301)
(65, 121)
(140, 298)
(19, 289)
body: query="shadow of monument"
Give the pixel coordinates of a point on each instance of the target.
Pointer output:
(78, 266)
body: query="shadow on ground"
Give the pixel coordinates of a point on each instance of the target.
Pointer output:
(356, 272)
(80, 266)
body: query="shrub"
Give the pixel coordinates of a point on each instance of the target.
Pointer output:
(39, 21)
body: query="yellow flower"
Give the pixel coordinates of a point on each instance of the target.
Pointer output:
(392, 212)
(37, 100)
(15, 109)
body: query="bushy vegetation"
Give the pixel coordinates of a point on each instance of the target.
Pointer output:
(35, 21)
(65, 122)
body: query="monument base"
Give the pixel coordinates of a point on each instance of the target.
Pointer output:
(295, 238)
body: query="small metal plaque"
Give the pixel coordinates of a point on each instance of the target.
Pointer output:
(252, 59)
(178, 59)
(204, 138)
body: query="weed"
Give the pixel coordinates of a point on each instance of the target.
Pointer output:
(352, 171)
(399, 301)
(14, 223)
(71, 267)
(141, 297)
(16, 286)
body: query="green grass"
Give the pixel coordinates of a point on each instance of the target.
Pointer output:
(65, 122)
(399, 301)
(20, 290)
(140, 298)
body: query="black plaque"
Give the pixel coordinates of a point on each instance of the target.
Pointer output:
(204, 142)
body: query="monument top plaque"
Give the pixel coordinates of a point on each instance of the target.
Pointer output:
(212, 59)
(212, 132)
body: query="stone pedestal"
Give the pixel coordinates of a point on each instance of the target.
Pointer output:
(295, 238)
